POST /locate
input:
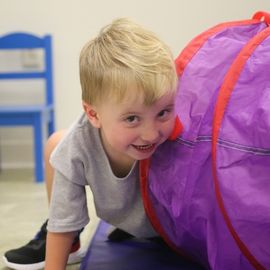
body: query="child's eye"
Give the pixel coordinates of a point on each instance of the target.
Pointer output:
(132, 119)
(163, 113)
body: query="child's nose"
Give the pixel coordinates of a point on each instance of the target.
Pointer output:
(150, 134)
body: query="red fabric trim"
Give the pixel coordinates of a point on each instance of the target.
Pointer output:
(262, 15)
(150, 211)
(191, 49)
(222, 101)
(178, 129)
(144, 171)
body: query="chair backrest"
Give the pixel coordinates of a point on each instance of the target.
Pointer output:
(26, 41)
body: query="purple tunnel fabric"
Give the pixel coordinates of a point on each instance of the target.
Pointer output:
(181, 188)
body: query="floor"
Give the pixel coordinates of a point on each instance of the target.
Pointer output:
(23, 209)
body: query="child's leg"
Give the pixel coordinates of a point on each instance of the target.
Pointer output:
(52, 142)
(32, 255)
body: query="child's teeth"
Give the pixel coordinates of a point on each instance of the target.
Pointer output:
(143, 147)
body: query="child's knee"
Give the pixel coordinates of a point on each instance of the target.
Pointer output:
(53, 141)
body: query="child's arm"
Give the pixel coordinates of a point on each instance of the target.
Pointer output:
(58, 247)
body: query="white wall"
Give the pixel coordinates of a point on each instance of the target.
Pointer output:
(73, 22)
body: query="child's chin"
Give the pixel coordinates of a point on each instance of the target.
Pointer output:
(144, 156)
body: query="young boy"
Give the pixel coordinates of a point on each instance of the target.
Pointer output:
(128, 82)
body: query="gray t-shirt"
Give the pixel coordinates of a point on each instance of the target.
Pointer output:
(80, 160)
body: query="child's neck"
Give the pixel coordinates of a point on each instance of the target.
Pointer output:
(122, 170)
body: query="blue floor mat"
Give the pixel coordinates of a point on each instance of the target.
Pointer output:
(132, 254)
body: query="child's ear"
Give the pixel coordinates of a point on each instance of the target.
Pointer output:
(91, 114)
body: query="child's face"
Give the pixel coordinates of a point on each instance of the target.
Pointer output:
(132, 131)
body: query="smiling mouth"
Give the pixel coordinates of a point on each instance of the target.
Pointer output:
(145, 148)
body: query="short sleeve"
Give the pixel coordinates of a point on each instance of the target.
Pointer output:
(68, 206)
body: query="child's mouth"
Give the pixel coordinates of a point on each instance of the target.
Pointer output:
(145, 148)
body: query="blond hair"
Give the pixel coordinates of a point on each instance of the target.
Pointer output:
(125, 56)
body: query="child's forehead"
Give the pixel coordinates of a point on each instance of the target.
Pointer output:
(137, 102)
(136, 99)
(128, 102)
(133, 96)
(130, 95)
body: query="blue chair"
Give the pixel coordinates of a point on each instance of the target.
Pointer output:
(40, 117)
